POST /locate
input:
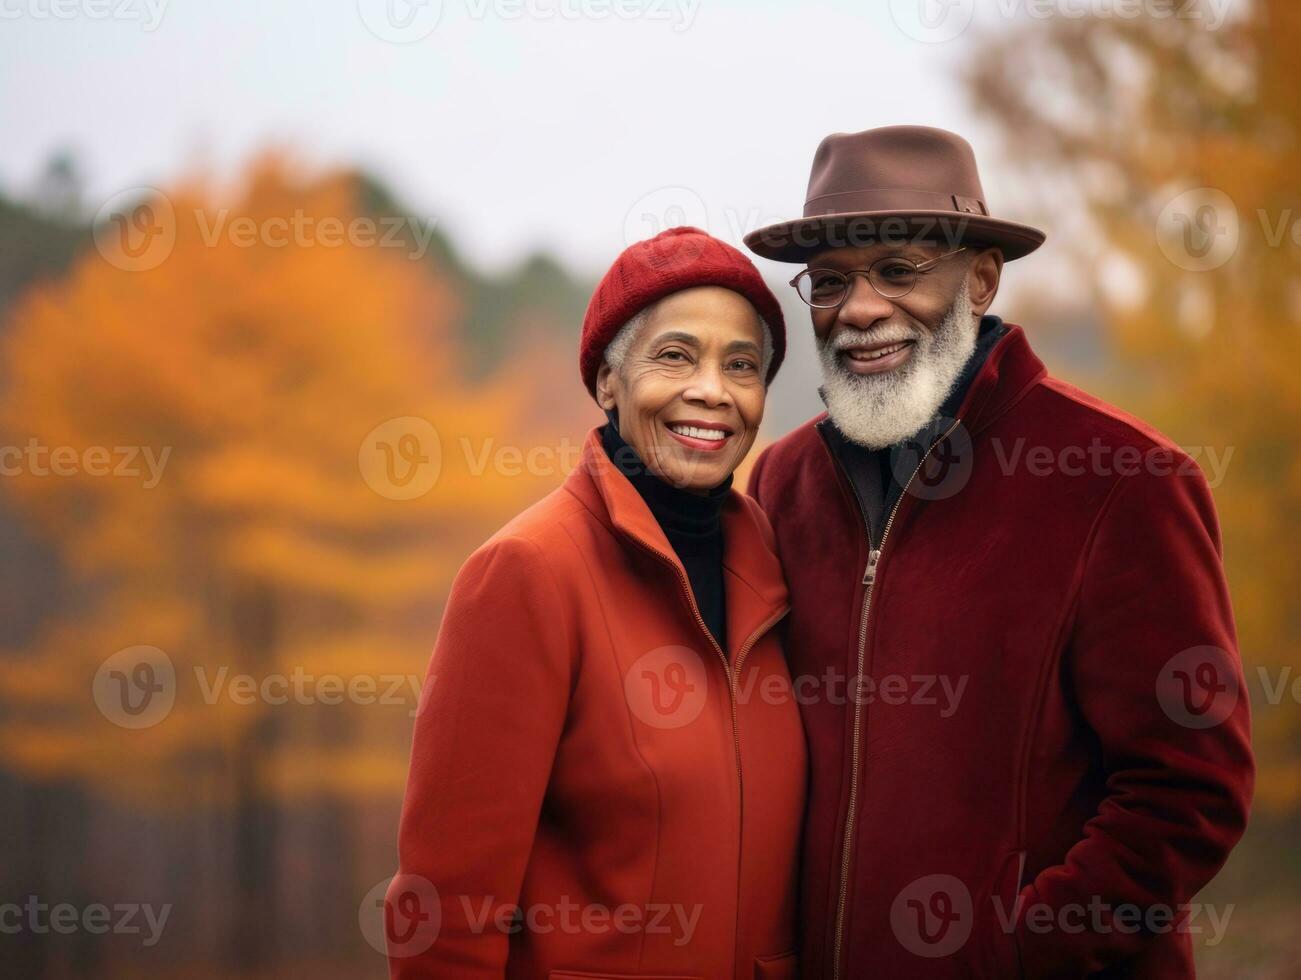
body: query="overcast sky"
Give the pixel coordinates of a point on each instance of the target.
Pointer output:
(572, 125)
(577, 124)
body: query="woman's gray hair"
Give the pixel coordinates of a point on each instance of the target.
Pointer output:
(622, 342)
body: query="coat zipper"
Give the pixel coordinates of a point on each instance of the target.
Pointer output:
(731, 684)
(869, 582)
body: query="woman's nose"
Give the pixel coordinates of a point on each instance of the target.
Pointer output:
(708, 386)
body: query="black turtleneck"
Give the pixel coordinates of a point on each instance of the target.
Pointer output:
(691, 522)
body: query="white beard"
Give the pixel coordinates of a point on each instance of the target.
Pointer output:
(878, 410)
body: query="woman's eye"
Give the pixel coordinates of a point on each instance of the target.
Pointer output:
(743, 365)
(674, 355)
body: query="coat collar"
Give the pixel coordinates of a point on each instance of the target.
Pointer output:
(753, 580)
(1009, 372)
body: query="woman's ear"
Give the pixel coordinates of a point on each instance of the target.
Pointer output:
(605, 383)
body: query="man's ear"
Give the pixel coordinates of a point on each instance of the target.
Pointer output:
(605, 382)
(983, 278)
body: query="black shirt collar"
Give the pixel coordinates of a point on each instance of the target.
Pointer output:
(686, 514)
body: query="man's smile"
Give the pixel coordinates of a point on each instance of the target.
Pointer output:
(877, 358)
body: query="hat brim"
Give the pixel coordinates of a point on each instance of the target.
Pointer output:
(802, 238)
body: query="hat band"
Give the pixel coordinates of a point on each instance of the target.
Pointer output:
(891, 199)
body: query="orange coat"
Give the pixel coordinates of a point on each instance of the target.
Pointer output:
(597, 790)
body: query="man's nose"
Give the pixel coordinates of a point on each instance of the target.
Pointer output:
(863, 305)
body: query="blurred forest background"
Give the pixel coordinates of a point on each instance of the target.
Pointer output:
(264, 549)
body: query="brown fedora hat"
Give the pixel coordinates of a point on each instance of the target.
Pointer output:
(905, 183)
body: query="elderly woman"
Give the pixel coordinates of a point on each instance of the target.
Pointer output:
(608, 771)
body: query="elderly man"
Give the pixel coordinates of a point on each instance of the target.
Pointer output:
(1010, 631)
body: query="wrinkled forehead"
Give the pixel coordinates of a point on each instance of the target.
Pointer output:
(712, 314)
(859, 257)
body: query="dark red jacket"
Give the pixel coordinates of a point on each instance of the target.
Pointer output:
(1049, 752)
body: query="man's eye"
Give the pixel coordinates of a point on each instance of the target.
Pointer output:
(825, 283)
(897, 270)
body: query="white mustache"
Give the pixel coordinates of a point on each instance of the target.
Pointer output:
(849, 337)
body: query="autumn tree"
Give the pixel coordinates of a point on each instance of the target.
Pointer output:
(271, 466)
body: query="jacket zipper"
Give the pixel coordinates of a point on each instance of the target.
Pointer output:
(731, 684)
(869, 582)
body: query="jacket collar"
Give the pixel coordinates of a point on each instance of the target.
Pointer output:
(994, 380)
(1009, 372)
(753, 580)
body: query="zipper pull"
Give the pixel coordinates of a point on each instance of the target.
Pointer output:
(869, 574)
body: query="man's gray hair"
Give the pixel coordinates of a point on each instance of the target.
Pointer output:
(622, 342)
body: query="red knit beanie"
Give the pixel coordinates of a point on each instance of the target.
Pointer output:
(677, 259)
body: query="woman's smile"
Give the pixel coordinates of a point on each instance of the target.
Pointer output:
(699, 434)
